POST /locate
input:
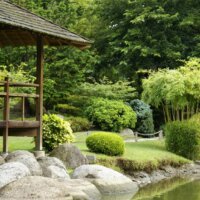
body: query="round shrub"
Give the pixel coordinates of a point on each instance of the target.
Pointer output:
(55, 131)
(79, 123)
(105, 143)
(144, 116)
(111, 115)
(183, 138)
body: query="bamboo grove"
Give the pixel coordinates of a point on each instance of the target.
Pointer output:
(176, 91)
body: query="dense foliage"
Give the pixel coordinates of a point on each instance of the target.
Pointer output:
(55, 131)
(120, 90)
(183, 138)
(131, 38)
(144, 116)
(105, 143)
(146, 34)
(176, 91)
(79, 123)
(111, 115)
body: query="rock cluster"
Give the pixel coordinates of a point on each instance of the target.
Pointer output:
(23, 176)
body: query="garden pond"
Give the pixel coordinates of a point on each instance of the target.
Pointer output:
(174, 189)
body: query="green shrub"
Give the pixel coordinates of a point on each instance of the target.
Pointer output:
(55, 131)
(67, 109)
(111, 115)
(144, 116)
(183, 138)
(79, 123)
(195, 118)
(105, 143)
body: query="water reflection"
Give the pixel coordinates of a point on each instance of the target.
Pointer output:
(176, 189)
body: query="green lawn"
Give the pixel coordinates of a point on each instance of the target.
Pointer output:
(16, 143)
(145, 155)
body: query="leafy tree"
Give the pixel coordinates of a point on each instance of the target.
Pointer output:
(176, 91)
(120, 90)
(148, 34)
(68, 67)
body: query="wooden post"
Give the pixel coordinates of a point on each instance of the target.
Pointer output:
(23, 108)
(39, 90)
(6, 115)
(136, 136)
(160, 136)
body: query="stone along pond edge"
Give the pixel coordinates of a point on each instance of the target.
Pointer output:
(44, 175)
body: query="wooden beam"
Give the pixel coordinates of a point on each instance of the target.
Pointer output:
(3, 94)
(6, 116)
(39, 90)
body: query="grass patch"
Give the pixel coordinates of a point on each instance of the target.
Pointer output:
(146, 155)
(18, 143)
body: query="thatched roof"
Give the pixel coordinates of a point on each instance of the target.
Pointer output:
(19, 27)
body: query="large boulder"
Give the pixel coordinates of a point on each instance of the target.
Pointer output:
(27, 159)
(39, 188)
(17, 153)
(70, 155)
(106, 180)
(2, 161)
(53, 168)
(13, 171)
(90, 191)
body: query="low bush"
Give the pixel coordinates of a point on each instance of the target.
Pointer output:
(144, 116)
(105, 143)
(79, 123)
(183, 138)
(55, 131)
(67, 109)
(111, 115)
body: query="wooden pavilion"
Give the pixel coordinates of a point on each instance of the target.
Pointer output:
(19, 27)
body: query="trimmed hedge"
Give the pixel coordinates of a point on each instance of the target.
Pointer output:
(105, 143)
(55, 131)
(111, 115)
(183, 138)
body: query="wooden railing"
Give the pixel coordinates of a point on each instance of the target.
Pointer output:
(19, 128)
(7, 94)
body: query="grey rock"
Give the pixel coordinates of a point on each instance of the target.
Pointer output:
(38, 154)
(142, 178)
(39, 188)
(56, 172)
(91, 159)
(13, 171)
(106, 180)
(127, 131)
(2, 161)
(53, 168)
(50, 161)
(157, 176)
(88, 190)
(3, 155)
(169, 171)
(28, 160)
(70, 155)
(18, 153)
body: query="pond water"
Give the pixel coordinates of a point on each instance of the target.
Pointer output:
(175, 189)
